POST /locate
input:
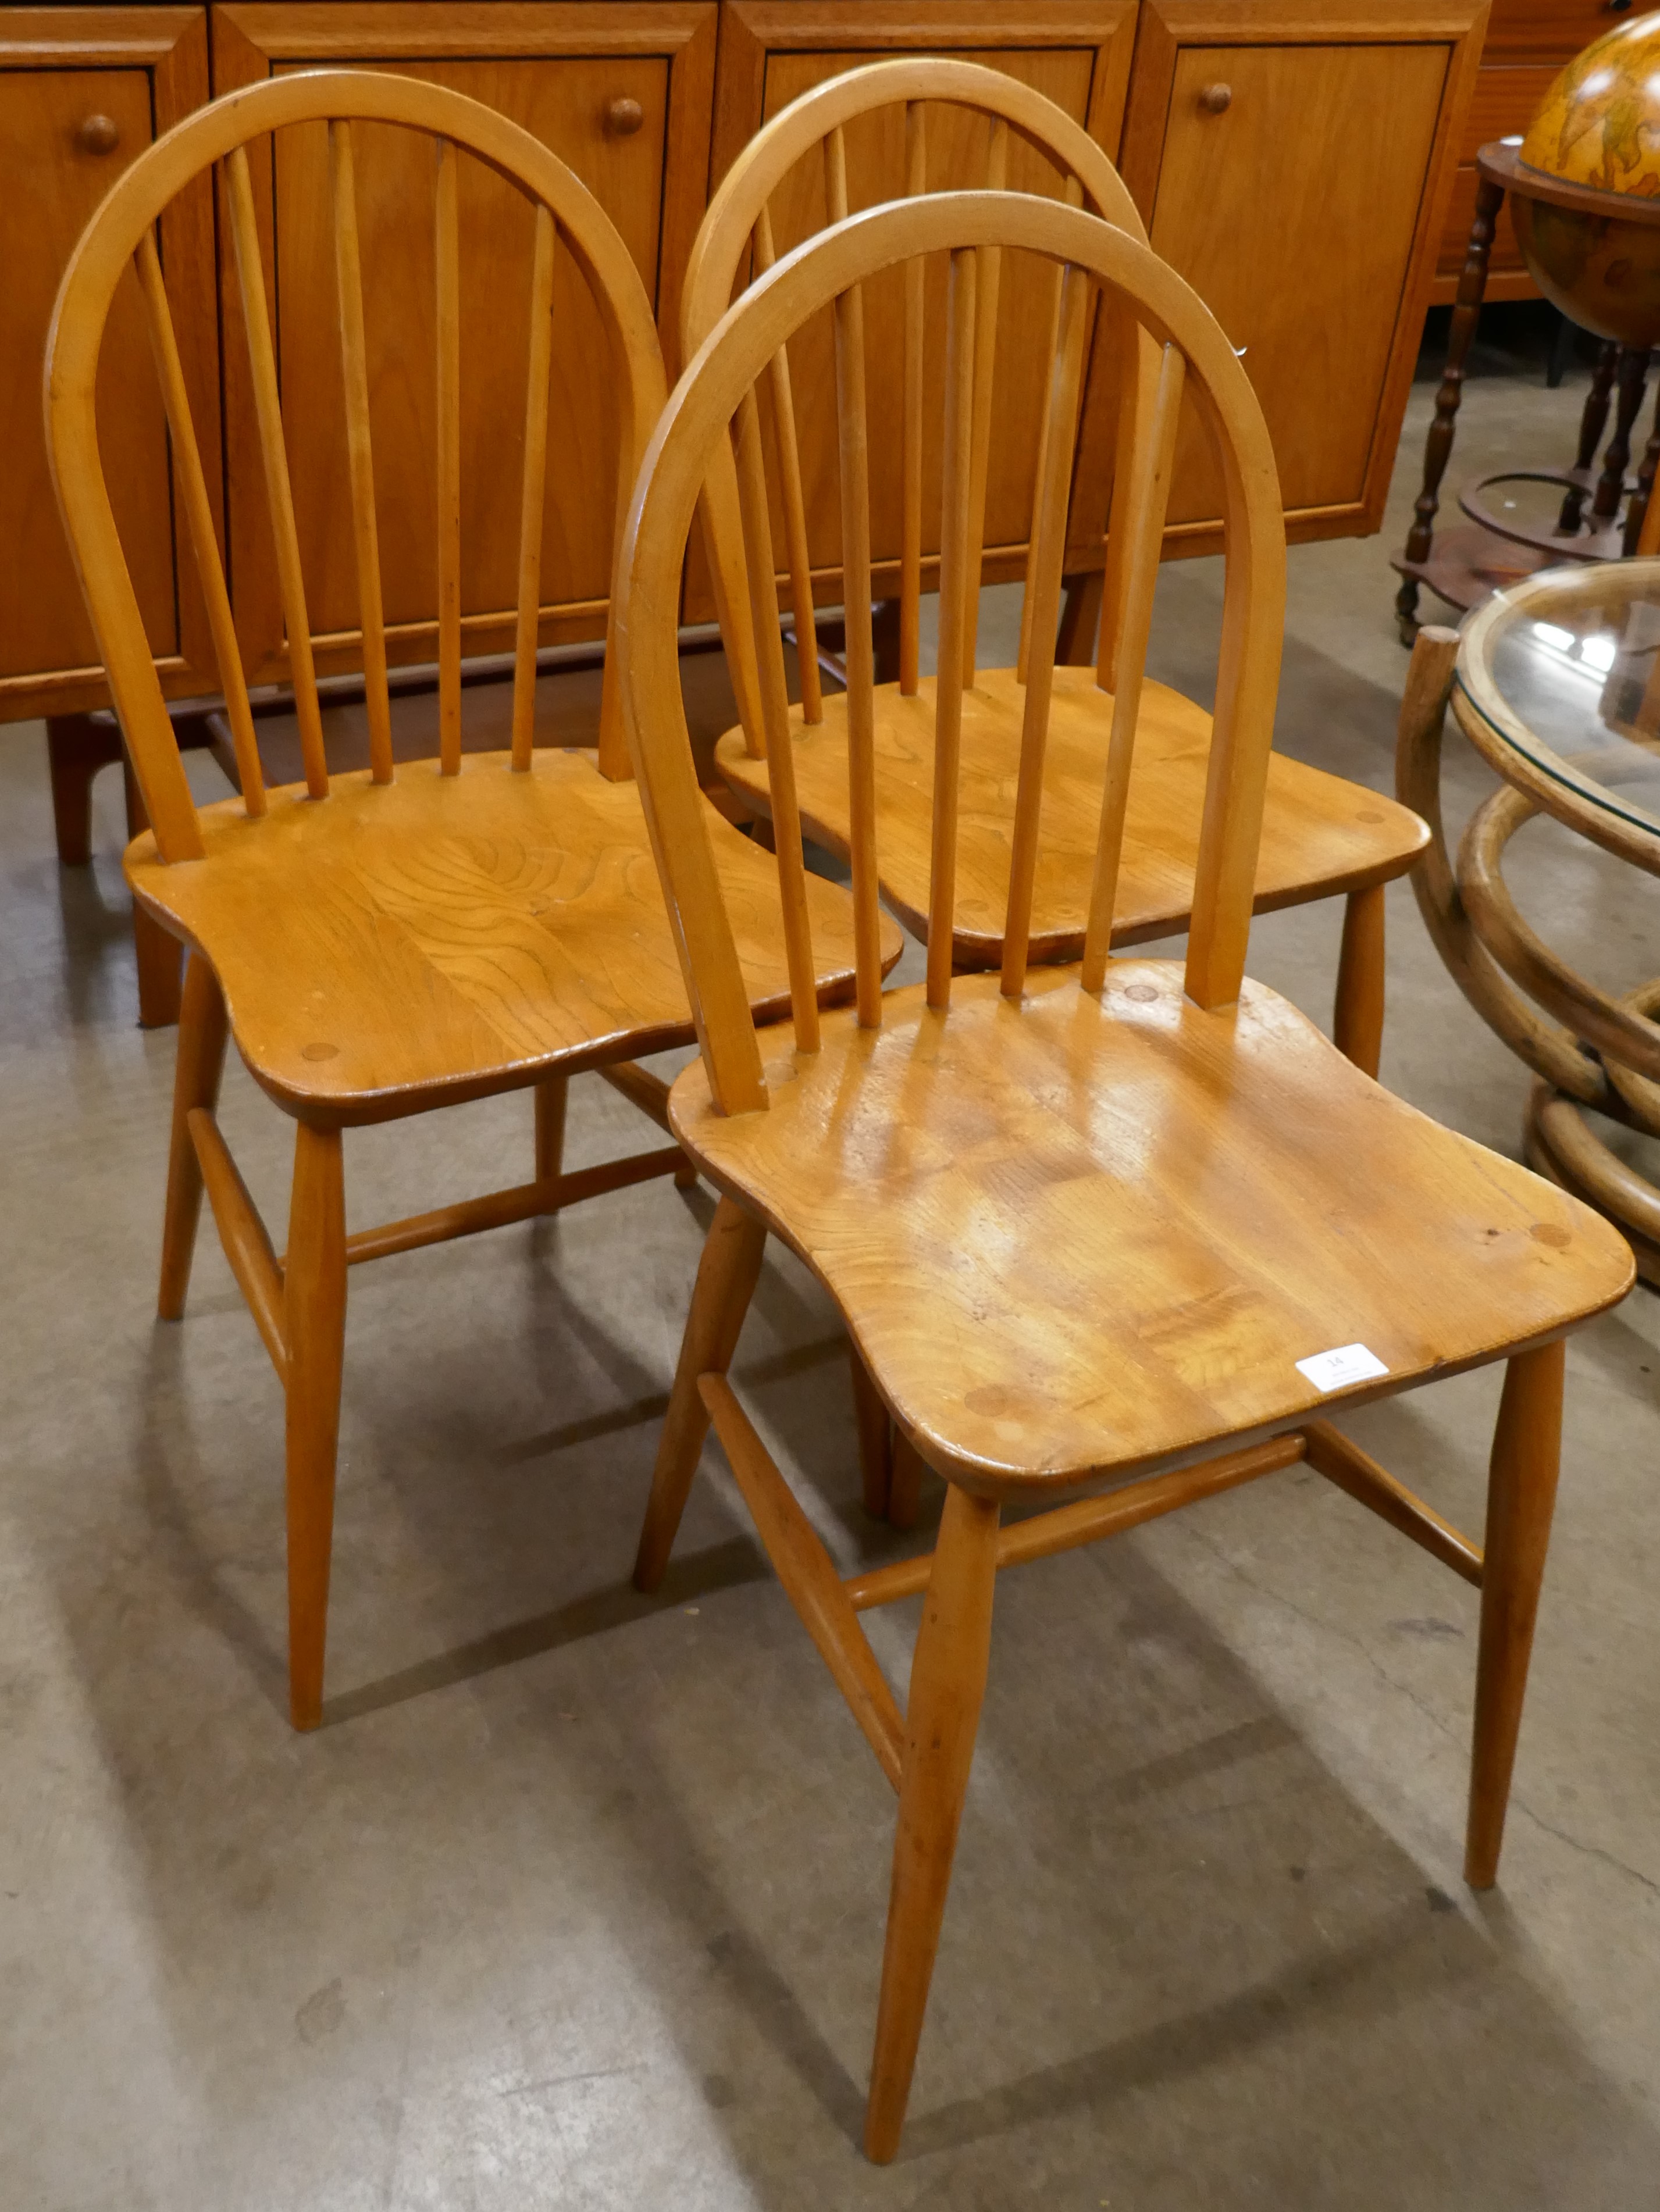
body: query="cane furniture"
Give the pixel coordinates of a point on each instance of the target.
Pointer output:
(1553, 683)
(385, 941)
(1127, 1218)
(1321, 836)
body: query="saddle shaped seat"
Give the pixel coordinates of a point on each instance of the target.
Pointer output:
(1321, 834)
(447, 936)
(1084, 1235)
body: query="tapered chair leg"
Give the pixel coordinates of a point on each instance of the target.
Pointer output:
(1521, 1497)
(905, 1483)
(550, 1096)
(314, 1310)
(158, 956)
(1358, 1018)
(727, 1276)
(874, 1428)
(947, 1683)
(201, 1063)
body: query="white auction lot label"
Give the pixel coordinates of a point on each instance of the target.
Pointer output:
(1336, 1370)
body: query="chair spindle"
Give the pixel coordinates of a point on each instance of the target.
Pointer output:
(722, 529)
(1073, 195)
(775, 707)
(795, 507)
(836, 174)
(853, 456)
(953, 606)
(198, 514)
(448, 272)
(1240, 742)
(360, 461)
(1137, 372)
(985, 361)
(279, 493)
(1049, 556)
(1145, 530)
(910, 542)
(533, 495)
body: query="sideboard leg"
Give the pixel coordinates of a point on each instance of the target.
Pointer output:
(1080, 618)
(77, 746)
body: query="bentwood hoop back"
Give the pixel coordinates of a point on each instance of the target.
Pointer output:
(738, 226)
(382, 942)
(900, 128)
(1196, 357)
(123, 235)
(1114, 1220)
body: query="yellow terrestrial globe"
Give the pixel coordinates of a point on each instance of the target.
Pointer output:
(1599, 127)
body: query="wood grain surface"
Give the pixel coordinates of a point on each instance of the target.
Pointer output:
(442, 936)
(1078, 1236)
(1342, 135)
(1320, 834)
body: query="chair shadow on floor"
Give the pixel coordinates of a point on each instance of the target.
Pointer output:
(1397, 2020)
(206, 1593)
(1283, 2032)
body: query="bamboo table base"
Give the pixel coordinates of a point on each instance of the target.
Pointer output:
(1586, 1050)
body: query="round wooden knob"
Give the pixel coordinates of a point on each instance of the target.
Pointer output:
(624, 117)
(1216, 99)
(98, 134)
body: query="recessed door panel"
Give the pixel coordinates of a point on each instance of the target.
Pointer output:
(65, 136)
(1290, 210)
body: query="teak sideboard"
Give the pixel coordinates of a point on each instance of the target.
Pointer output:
(1293, 158)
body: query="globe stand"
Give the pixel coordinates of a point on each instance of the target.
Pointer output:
(1462, 565)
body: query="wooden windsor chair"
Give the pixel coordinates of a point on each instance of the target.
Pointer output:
(382, 942)
(1123, 1218)
(1320, 835)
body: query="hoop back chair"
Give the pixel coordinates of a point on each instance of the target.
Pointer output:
(1082, 1222)
(1320, 835)
(385, 941)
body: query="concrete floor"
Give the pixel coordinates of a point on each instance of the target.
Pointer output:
(577, 1901)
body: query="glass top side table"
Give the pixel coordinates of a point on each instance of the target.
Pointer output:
(1556, 683)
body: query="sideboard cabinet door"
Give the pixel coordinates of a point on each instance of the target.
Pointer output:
(1294, 161)
(83, 91)
(622, 94)
(1077, 52)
